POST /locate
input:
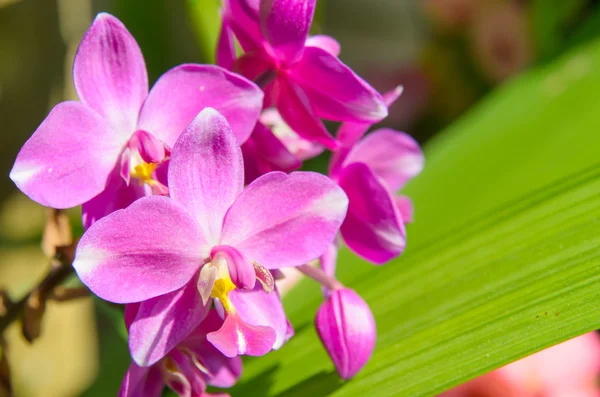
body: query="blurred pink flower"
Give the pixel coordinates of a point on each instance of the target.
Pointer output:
(500, 40)
(452, 14)
(569, 369)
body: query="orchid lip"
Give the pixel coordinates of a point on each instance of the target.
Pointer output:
(215, 281)
(140, 159)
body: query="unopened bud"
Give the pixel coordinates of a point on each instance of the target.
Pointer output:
(347, 329)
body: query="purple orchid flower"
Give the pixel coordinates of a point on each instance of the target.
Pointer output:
(346, 328)
(87, 152)
(187, 369)
(371, 171)
(210, 240)
(274, 146)
(302, 77)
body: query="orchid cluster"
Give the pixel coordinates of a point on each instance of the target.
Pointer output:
(191, 200)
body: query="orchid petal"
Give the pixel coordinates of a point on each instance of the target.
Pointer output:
(285, 25)
(328, 260)
(337, 160)
(393, 156)
(226, 55)
(163, 322)
(236, 337)
(295, 144)
(289, 332)
(296, 110)
(181, 93)
(240, 269)
(405, 207)
(142, 382)
(206, 171)
(225, 371)
(244, 19)
(252, 65)
(258, 307)
(109, 73)
(130, 313)
(390, 97)
(334, 90)
(222, 371)
(324, 42)
(350, 132)
(116, 196)
(149, 249)
(176, 373)
(264, 152)
(69, 157)
(373, 227)
(193, 376)
(285, 220)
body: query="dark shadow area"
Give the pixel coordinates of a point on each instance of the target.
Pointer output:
(320, 384)
(302, 327)
(257, 386)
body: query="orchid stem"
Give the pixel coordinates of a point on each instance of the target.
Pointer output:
(320, 276)
(56, 276)
(31, 306)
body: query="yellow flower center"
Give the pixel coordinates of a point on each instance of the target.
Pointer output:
(221, 289)
(143, 172)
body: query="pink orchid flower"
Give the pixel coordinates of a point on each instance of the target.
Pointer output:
(346, 328)
(302, 77)
(212, 239)
(569, 369)
(87, 152)
(274, 146)
(371, 171)
(187, 369)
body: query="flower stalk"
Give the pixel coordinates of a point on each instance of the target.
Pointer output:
(321, 277)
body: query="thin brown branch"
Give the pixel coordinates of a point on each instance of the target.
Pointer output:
(57, 243)
(33, 303)
(5, 384)
(64, 294)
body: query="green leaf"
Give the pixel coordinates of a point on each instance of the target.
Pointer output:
(206, 22)
(550, 22)
(503, 257)
(114, 354)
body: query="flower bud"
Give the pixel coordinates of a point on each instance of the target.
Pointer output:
(347, 329)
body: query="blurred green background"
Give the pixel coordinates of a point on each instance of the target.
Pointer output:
(448, 54)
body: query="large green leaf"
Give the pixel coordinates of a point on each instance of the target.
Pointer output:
(503, 258)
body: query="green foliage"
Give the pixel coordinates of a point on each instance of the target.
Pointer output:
(206, 23)
(114, 354)
(553, 21)
(503, 258)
